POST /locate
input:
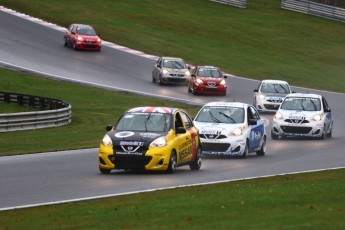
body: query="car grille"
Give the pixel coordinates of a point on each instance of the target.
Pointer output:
(176, 80)
(215, 147)
(130, 162)
(176, 75)
(296, 121)
(271, 107)
(89, 46)
(212, 136)
(275, 100)
(297, 130)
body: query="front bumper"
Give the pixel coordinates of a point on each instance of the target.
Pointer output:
(267, 106)
(156, 159)
(286, 129)
(226, 147)
(88, 45)
(202, 89)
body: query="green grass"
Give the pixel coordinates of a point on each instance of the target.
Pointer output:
(262, 41)
(305, 201)
(92, 110)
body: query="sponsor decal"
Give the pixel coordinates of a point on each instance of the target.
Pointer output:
(124, 134)
(212, 132)
(132, 143)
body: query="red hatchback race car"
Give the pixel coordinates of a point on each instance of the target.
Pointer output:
(81, 36)
(207, 80)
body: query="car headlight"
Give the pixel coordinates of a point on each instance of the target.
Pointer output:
(106, 140)
(98, 40)
(261, 96)
(222, 82)
(159, 142)
(165, 71)
(79, 38)
(279, 116)
(317, 117)
(199, 81)
(236, 132)
(187, 73)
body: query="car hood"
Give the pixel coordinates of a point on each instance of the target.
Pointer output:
(176, 70)
(86, 37)
(274, 95)
(224, 128)
(298, 114)
(134, 138)
(210, 79)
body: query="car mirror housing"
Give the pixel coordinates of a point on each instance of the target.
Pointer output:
(109, 127)
(252, 121)
(180, 130)
(256, 90)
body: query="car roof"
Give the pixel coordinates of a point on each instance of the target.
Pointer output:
(153, 109)
(227, 104)
(275, 81)
(311, 95)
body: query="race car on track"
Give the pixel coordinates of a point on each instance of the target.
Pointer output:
(231, 129)
(170, 70)
(83, 37)
(151, 138)
(207, 80)
(270, 94)
(303, 115)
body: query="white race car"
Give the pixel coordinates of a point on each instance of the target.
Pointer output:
(270, 94)
(230, 128)
(303, 115)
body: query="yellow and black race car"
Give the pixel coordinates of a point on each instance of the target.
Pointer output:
(151, 138)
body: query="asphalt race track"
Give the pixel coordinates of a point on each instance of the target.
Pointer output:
(36, 179)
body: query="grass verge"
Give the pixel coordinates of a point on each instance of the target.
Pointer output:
(304, 201)
(260, 42)
(92, 110)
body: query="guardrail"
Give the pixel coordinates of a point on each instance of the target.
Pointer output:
(314, 8)
(55, 113)
(237, 3)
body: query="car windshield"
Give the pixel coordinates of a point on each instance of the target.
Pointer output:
(145, 122)
(221, 114)
(86, 31)
(301, 103)
(208, 72)
(174, 64)
(275, 88)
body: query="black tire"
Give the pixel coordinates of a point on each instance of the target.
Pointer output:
(196, 163)
(153, 79)
(246, 150)
(273, 135)
(172, 162)
(74, 46)
(262, 150)
(329, 134)
(323, 135)
(104, 171)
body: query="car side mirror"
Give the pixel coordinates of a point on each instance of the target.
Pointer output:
(252, 121)
(256, 90)
(180, 130)
(293, 92)
(109, 127)
(72, 33)
(193, 75)
(327, 110)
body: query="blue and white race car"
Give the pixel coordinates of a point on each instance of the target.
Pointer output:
(303, 115)
(231, 129)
